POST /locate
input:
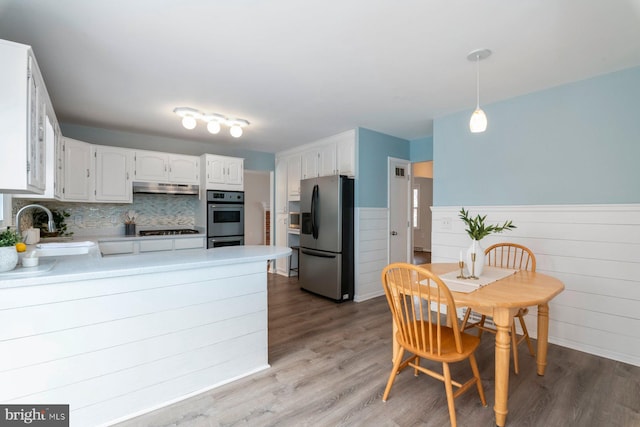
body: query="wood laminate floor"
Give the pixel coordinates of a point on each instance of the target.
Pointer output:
(330, 363)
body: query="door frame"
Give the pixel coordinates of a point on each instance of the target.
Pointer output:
(408, 229)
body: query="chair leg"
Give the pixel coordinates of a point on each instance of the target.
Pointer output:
(476, 375)
(449, 389)
(514, 347)
(526, 335)
(482, 319)
(393, 374)
(467, 313)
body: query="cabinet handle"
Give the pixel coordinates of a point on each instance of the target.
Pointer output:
(87, 173)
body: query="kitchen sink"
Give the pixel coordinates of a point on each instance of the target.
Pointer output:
(65, 248)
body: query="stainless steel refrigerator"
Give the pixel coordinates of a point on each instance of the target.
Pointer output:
(326, 237)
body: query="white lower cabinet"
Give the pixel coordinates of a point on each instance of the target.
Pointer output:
(139, 245)
(156, 245)
(282, 264)
(116, 248)
(190, 243)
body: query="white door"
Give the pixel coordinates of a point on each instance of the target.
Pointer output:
(399, 190)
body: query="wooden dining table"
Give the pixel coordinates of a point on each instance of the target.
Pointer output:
(504, 298)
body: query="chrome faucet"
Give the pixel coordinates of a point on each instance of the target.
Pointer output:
(51, 225)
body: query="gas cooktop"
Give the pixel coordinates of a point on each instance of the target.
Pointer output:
(168, 232)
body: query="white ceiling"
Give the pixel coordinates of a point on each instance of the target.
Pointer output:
(303, 70)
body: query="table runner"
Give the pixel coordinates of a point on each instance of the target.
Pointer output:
(489, 275)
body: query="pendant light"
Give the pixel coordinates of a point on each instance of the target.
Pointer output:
(478, 122)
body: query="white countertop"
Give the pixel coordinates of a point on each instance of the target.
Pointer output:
(84, 267)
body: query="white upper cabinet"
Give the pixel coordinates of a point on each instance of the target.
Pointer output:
(346, 155)
(327, 159)
(24, 107)
(222, 172)
(309, 164)
(78, 171)
(113, 172)
(184, 169)
(294, 173)
(334, 155)
(153, 166)
(281, 185)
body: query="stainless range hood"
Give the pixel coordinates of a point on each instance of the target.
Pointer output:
(160, 188)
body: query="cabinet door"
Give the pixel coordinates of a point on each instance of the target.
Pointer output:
(112, 176)
(36, 149)
(151, 166)
(282, 264)
(281, 186)
(327, 160)
(58, 185)
(235, 171)
(346, 153)
(184, 169)
(294, 172)
(309, 164)
(215, 170)
(78, 172)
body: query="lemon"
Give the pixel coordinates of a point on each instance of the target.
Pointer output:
(21, 247)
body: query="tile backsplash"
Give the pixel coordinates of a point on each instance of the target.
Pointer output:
(91, 219)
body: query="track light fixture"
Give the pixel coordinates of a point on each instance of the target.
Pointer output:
(190, 117)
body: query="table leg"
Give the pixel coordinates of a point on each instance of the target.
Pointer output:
(543, 337)
(502, 319)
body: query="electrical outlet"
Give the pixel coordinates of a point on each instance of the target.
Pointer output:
(445, 223)
(77, 220)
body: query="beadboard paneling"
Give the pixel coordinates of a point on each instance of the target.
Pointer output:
(371, 251)
(593, 249)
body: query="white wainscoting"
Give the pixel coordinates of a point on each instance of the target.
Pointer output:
(593, 249)
(370, 251)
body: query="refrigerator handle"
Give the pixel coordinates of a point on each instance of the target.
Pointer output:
(314, 223)
(318, 254)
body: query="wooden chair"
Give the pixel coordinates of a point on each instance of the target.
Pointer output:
(517, 257)
(410, 292)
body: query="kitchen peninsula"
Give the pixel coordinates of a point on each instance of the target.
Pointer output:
(117, 336)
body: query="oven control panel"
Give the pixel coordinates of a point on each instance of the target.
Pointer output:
(225, 196)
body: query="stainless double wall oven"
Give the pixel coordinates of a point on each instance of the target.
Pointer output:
(225, 218)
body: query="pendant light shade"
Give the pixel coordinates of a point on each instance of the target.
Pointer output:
(478, 121)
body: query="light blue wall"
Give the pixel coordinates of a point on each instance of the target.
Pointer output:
(253, 160)
(574, 144)
(374, 149)
(421, 149)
